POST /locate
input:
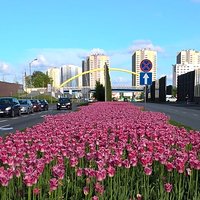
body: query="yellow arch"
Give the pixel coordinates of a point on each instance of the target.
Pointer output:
(97, 69)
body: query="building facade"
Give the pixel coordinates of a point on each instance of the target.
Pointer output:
(54, 73)
(85, 77)
(197, 86)
(186, 61)
(137, 58)
(10, 89)
(69, 71)
(94, 61)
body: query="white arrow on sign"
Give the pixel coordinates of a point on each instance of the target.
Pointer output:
(145, 77)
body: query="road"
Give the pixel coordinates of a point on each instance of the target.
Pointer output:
(10, 125)
(187, 114)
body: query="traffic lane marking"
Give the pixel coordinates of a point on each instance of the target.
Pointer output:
(5, 128)
(3, 121)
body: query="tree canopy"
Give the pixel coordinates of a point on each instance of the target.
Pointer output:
(108, 84)
(99, 93)
(38, 79)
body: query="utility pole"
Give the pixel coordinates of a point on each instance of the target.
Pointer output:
(31, 75)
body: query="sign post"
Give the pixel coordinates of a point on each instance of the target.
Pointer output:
(145, 76)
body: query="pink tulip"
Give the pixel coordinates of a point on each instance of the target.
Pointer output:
(4, 181)
(36, 191)
(95, 198)
(73, 161)
(148, 171)
(79, 172)
(139, 197)
(111, 171)
(86, 190)
(101, 175)
(169, 166)
(168, 187)
(53, 184)
(99, 188)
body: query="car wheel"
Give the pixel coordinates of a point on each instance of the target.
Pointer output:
(19, 113)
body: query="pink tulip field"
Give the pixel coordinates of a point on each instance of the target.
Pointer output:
(104, 151)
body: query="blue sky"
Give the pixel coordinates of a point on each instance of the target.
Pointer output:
(58, 32)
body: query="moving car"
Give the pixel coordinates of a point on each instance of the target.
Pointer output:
(9, 106)
(26, 106)
(44, 104)
(65, 103)
(36, 105)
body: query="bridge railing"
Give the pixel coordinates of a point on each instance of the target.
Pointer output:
(113, 87)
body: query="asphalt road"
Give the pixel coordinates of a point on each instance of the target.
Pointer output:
(187, 114)
(10, 125)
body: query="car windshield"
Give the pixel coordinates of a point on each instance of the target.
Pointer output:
(33, 101)
(64, 100)
(23, 101)
(5, 101)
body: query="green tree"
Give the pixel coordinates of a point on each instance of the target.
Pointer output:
(99, 93)
(108, 84)
(28, 81)
(174, 91)
(40, 79)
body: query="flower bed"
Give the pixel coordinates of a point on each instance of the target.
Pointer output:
(107, 151)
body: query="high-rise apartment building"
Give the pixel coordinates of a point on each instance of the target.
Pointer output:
(94, 61)
(186, 61)
(54, 73)
(67, 72)
(85, 77)
(137, 58)
(188, 57)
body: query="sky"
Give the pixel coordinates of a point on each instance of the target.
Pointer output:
(59, 32)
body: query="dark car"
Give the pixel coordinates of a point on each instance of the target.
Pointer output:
(64, 103)
(36, 105)
(26, 106)
(44, 104)
(9, 106)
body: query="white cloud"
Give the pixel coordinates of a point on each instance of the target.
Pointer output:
(97, 51)
(141, 44)
(4, 68)
(120, 80)
(58, 57)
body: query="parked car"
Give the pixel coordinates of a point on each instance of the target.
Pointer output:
(26, 106)
(36, 105)
(44, 104)
(65, 103)
(9, 106)
(170, 98)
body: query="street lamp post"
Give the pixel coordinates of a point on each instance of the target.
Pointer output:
(30, 76)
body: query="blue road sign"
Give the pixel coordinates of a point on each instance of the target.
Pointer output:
(146, 65)
(145, 78)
